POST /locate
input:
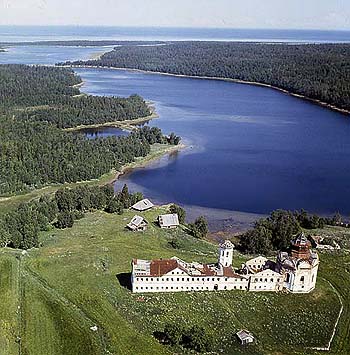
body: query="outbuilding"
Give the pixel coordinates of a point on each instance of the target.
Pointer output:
(137, 224)
(168, 221)
(143, 205)
(245, 337)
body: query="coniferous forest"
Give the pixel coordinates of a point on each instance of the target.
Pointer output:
(35, 102)
(317, 71)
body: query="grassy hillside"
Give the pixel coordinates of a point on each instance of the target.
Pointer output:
(77, 280)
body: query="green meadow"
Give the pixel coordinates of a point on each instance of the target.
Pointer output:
(51, 297)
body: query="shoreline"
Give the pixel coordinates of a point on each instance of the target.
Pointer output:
(128, 125)
(238, 81)
(144, 162)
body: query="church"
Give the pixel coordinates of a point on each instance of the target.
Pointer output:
(294, 270)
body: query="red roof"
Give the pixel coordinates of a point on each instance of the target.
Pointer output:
(163, 266)
(228, 272)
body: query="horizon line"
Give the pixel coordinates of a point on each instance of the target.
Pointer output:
(180, 27)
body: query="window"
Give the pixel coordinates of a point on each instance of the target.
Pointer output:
(151, 278)
(226, 279)
(177, 279)
(271, 280)
(265, 280)
(136, 288)
(167, 279)
(302, 279)
(227, 253)
(225, 287)
(312, 278)
(208, 279)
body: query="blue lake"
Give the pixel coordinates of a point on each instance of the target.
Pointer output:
(251, 149)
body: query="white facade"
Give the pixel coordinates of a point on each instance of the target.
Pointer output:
(226, 254)
(295, 271)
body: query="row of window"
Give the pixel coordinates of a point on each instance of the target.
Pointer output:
(151, 279)
(188, 288)
(265, 280)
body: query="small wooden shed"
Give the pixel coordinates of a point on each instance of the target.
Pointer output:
(137, 224)
(245, 337)
(168, 221)
(143, 205)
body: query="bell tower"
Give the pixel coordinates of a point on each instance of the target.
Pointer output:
(225, 253)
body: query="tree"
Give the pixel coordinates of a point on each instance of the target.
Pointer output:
(257, 240)
(136, 197)
(114, 206)
(173, 333)
(283, 225)
(65, 220)
(124, 196)
(179, 211)
(199, 228)
(198, 339)
(337, 219)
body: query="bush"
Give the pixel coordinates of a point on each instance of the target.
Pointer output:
(199, 229)
(180, 212)
(65, 220)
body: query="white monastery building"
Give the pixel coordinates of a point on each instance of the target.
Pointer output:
(294, 271)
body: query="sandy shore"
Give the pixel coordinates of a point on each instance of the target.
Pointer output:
(303, 97)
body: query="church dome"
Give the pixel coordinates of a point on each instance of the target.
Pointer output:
(226, 245)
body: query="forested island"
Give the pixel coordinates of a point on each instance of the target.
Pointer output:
(35, 102)
(317, 71)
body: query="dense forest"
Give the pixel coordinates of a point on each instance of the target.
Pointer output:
(51, 95)
(317, 71)
(36, 152)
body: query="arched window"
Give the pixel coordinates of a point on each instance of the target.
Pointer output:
(302, 279)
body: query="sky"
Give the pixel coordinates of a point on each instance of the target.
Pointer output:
(276, 14)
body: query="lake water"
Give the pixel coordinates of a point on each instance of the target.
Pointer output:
(251, 149)
(102, 132)
(48, 55)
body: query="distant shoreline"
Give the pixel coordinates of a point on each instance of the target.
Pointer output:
(238, 81)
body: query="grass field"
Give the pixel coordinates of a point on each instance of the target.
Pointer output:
(52, 296)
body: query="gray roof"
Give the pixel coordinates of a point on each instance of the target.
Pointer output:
(143, 205)
(244, 334)
(168, 220)
(137, 220)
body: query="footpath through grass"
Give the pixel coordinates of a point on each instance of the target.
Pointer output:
(77, 280)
